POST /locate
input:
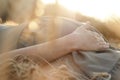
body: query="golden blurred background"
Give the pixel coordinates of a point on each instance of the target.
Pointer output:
(100, 9)
(103, 14)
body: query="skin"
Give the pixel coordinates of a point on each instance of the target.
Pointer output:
(81, 38)
(90, 39)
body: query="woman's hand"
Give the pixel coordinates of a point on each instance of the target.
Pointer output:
(86, 38)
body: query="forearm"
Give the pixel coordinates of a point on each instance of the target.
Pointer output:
(55, 49)
(49, 50)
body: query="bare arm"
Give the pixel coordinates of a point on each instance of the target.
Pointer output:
(81, 39)
(49, 50)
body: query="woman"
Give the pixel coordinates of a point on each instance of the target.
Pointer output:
(82, 51)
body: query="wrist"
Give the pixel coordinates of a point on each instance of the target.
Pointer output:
(71, 43)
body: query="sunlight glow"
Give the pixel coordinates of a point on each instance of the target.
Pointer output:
(100, 9)
(33, 26)
(48, 1)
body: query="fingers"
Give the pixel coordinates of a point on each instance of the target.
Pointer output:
(101, 43)
(88, 26)
(97, 36)
(103, 46)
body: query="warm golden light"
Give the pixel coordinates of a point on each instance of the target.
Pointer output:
(92, 8)
(48, 1)
(33, 26)
(10, 23)
(100, 9)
